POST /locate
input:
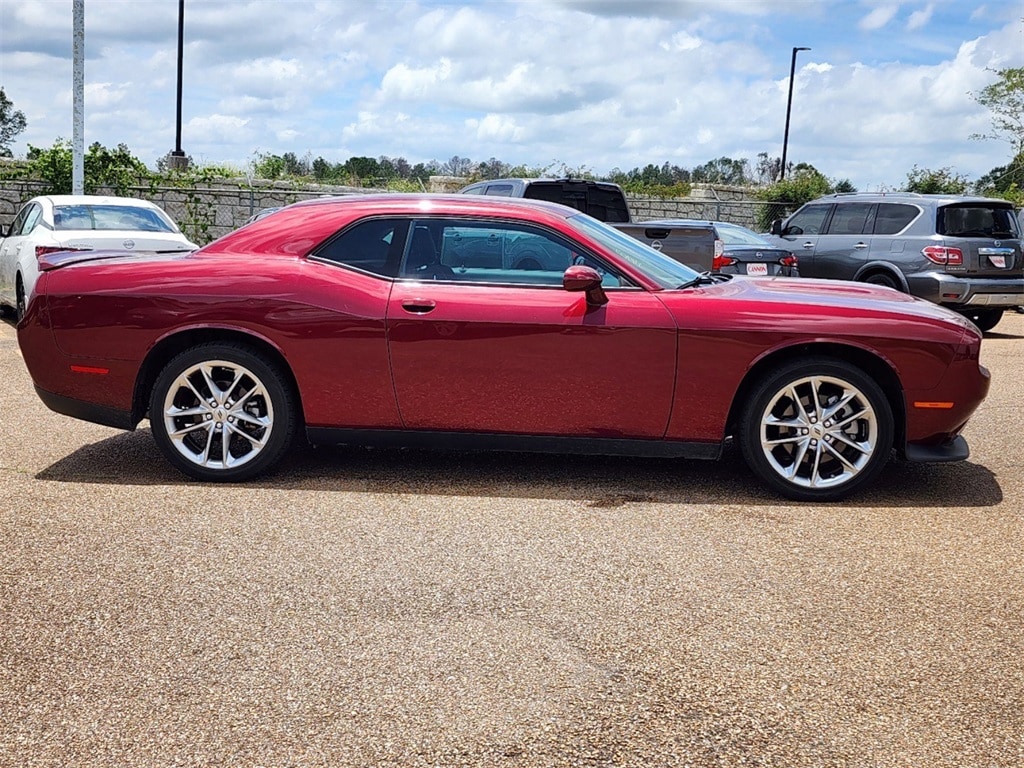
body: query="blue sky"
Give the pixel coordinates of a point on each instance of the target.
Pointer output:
(584, 84)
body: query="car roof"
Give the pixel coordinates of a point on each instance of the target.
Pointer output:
(95, 200)
(428, 204)
(910, 197)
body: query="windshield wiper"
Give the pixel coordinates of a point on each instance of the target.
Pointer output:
(704, 278)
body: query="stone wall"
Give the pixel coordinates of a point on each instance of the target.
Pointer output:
(203, 212)
(207, 211)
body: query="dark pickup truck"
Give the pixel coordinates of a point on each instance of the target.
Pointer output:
(706, 246)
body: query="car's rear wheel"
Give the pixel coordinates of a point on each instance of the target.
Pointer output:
(985, 319)
(816, 429)
(20, 300)
(222, 412)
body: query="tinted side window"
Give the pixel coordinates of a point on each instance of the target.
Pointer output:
(27, 219)
(492, 252)
(499, 190)
(849, 219)
(893, 217)
(374, 245)
(19, 220)
(809, 220)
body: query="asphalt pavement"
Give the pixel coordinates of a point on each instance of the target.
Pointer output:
(407, 608)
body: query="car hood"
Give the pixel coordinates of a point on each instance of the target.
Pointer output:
(809, 302)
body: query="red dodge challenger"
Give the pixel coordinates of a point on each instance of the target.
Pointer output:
(476, 323)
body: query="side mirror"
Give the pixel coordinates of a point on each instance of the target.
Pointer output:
(579, 278)
(776, 228)
(3, 231)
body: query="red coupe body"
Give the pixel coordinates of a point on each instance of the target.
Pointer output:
(475, 350)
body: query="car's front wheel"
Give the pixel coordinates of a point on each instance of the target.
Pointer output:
(985, 319)
(816, 429)
(222, 412)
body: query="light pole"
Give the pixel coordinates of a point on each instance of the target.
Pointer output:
(789, 108)
(178, 159)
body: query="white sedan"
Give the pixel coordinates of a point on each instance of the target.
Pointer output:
(74, 223)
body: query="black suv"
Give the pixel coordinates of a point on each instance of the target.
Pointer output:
(962, 252)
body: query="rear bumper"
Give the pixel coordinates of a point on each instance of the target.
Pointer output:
(79, 409)
(953, 291)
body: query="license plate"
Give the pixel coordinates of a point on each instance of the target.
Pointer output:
(757, 269)
(998, 261)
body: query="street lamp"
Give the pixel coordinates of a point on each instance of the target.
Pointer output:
(177, 158)
(789, 107)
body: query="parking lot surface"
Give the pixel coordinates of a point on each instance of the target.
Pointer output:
(402, 608)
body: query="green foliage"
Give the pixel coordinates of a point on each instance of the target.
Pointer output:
(116, 168)
(1005, 100)
(805, 183)
(943, 181)
(1006, 181)
(12, 122)
(267, 166)
(724, 170)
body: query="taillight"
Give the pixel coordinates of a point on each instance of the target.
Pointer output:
(720, 260)
(788, 261)
(42, 250)
(940, 254)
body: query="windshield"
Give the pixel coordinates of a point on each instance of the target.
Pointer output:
(111, 217)
(666, 272)
(735, 235)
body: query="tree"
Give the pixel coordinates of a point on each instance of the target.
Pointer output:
(12, 122)
(1005, 100)
(1006, 181)
(116, 168)
(804, 183)
(724, 170)
(943, 181)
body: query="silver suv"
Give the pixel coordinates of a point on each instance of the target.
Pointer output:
(962, 252)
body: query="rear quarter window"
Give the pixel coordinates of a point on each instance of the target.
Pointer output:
(893, 218)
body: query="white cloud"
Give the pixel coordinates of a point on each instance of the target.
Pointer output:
(919, 19)
(878, 17)
(600, 84)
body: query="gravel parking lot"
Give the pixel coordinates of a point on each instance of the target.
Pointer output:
(399, 608)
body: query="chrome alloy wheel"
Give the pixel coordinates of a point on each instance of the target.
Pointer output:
(819, 432)
(218, 414)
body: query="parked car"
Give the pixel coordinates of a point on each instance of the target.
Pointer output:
(736, 250)
(397, 319)
(693, 243)
(962, 252)
(78, 223)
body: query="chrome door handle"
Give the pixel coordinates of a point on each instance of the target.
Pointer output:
(861, 245)
(808, 245)
(418, 306)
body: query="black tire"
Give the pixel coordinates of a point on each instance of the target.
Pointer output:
(794, 447)
(881, 278)
(528, 262)
(21, 302)
(253, 403)
(985, 319)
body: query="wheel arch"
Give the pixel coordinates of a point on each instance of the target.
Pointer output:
(170, 346)
(872, 364)
(883, 268)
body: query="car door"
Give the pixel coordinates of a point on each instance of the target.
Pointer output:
(494, 349)
(801, 233)
(843, 247)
